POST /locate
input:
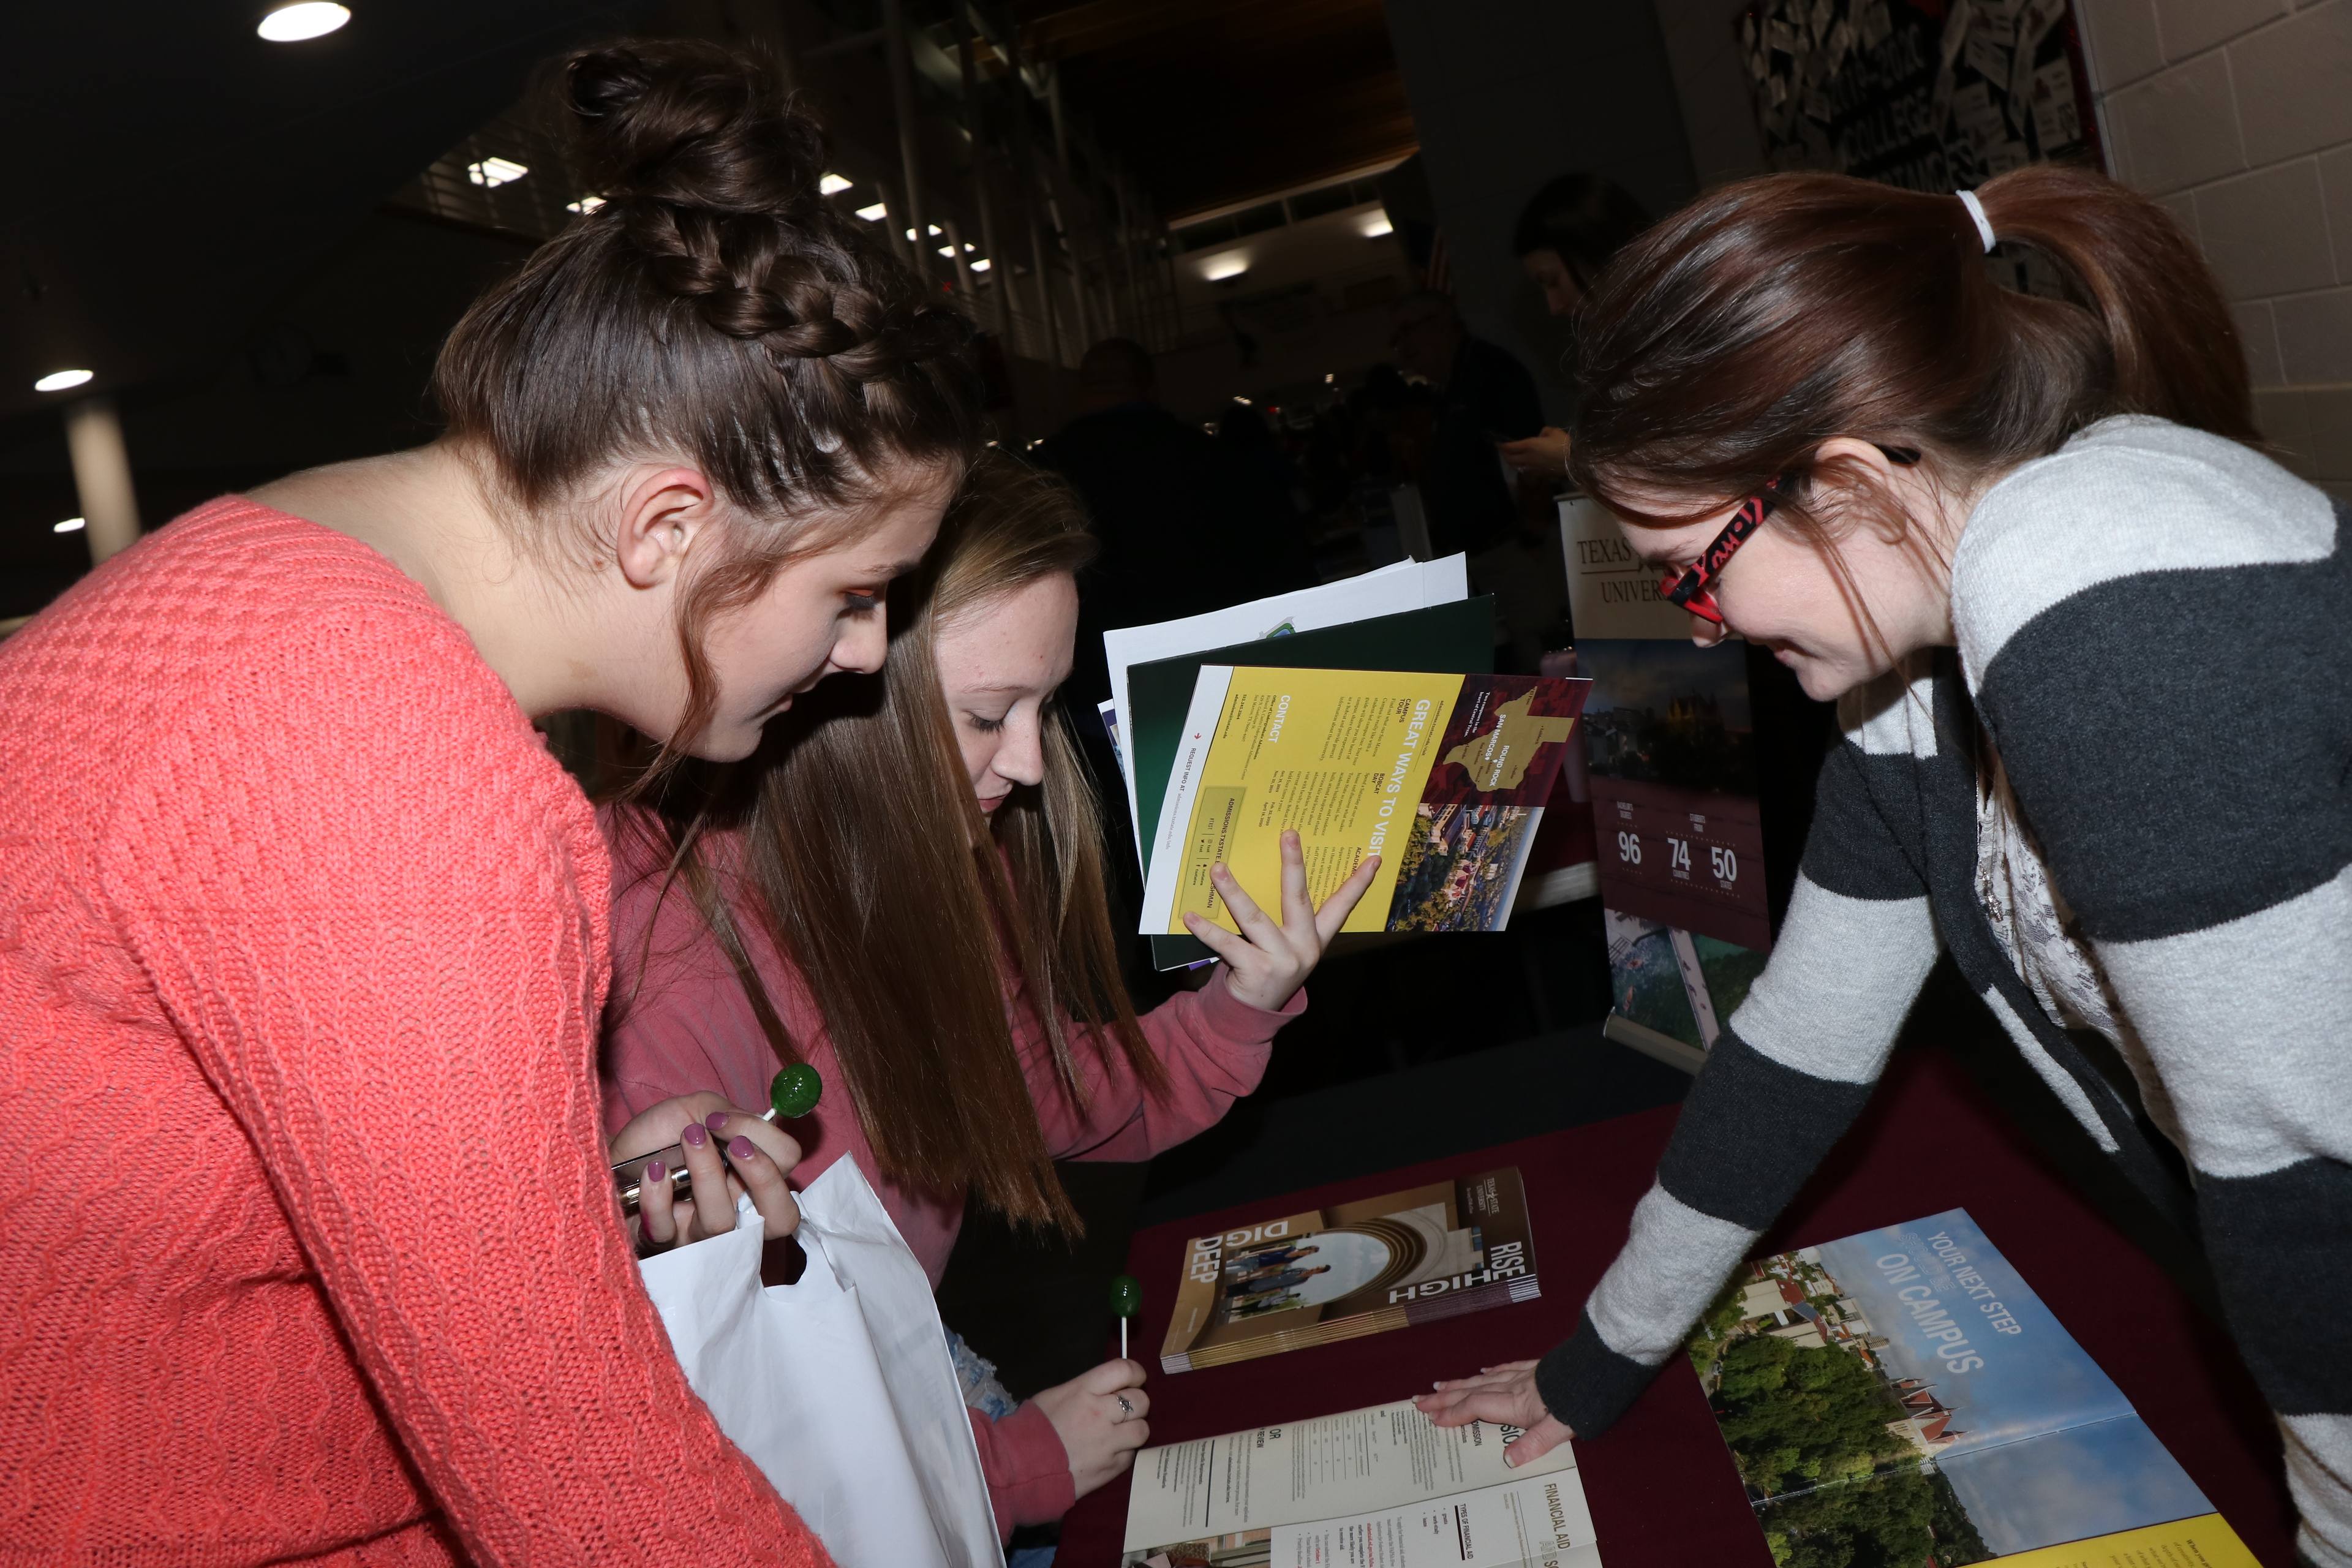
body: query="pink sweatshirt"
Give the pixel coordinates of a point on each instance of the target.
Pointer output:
(679, 1022)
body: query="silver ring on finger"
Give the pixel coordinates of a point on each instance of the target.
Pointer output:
(1126, 1410)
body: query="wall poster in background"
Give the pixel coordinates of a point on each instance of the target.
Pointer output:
(1930, 95)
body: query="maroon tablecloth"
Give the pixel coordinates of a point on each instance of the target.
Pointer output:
(1661, 1485)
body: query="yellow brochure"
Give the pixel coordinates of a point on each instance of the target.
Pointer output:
(1443, 776)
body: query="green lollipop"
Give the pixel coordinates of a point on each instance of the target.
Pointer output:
(796, 1091)
(793, 1092)
(1126, 1300)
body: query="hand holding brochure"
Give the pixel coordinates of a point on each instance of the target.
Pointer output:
(1380, 1486)
(1441, 775)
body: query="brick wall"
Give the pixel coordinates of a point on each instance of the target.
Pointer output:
(2238, 115)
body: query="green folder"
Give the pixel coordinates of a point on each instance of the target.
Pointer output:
(1447, 639)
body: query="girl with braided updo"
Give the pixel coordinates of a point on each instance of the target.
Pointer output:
(305, 930)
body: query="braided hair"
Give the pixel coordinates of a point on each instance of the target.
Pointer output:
(717, 310)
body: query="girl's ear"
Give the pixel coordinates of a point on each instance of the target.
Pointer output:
(1855, 482)
(662, 512)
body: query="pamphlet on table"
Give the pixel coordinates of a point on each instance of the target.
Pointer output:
(1380, 1487)
(1903, 1396)
(1443, 775)
(1309, 1278)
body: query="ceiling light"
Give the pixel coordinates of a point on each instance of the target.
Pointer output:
(310, 19)
(874, 214)
(63, 380)
(584, 205)
(832, 185)
(935, 233)
(1377, 225)
(1217, 268)
(494, 172)
(71, 525)
(981, 265)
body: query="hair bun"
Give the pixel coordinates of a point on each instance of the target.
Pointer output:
(693, 125)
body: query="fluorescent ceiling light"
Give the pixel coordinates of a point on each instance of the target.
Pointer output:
(949, 249)
(63, 380)
(874, 214)
(311, 19)
(1232, 264)
(71, 525)
(1376, 224)
(832, 185)
(584, 204)
(932, 226)
(493, 171)
(981, 265)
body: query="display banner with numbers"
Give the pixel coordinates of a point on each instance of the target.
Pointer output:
(1684, 857)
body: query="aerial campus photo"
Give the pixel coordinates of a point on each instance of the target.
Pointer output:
(1902, 1399)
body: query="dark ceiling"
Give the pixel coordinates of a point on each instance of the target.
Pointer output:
(1211, 102)
(170, 173)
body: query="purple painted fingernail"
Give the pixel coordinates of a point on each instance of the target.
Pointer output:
(715, 1122)
(741, 1149)
(656, 1172)
(694, 1135)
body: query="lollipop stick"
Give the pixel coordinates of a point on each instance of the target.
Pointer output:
(1126, 1297)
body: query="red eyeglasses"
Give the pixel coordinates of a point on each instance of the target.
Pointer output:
(1688, 586)
(1692, 587)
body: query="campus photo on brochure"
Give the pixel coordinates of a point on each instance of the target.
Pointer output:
(1902, 1397)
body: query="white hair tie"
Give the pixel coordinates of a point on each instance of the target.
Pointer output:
(1976, 211)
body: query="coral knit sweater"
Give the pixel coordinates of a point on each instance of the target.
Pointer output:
(308, 1254)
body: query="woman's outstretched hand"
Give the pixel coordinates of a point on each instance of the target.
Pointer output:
(1504, 1395)
(728, 1152)
(1267, 964)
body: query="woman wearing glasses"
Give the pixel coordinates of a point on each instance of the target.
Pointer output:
(2097, 733)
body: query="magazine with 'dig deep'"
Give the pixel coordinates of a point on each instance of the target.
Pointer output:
(1310, 1277)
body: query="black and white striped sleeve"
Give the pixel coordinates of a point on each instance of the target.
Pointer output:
(1787, 1077)
(2153, 621)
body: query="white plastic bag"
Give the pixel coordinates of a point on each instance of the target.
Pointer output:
(840, 1386)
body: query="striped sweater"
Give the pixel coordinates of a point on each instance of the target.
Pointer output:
(2148, 624)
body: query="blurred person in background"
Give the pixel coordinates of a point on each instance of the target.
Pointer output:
(1186, 523)
(1566, 236)
(1243, 427)
(1484, 396)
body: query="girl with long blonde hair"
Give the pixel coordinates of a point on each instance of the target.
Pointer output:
(905, 887)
